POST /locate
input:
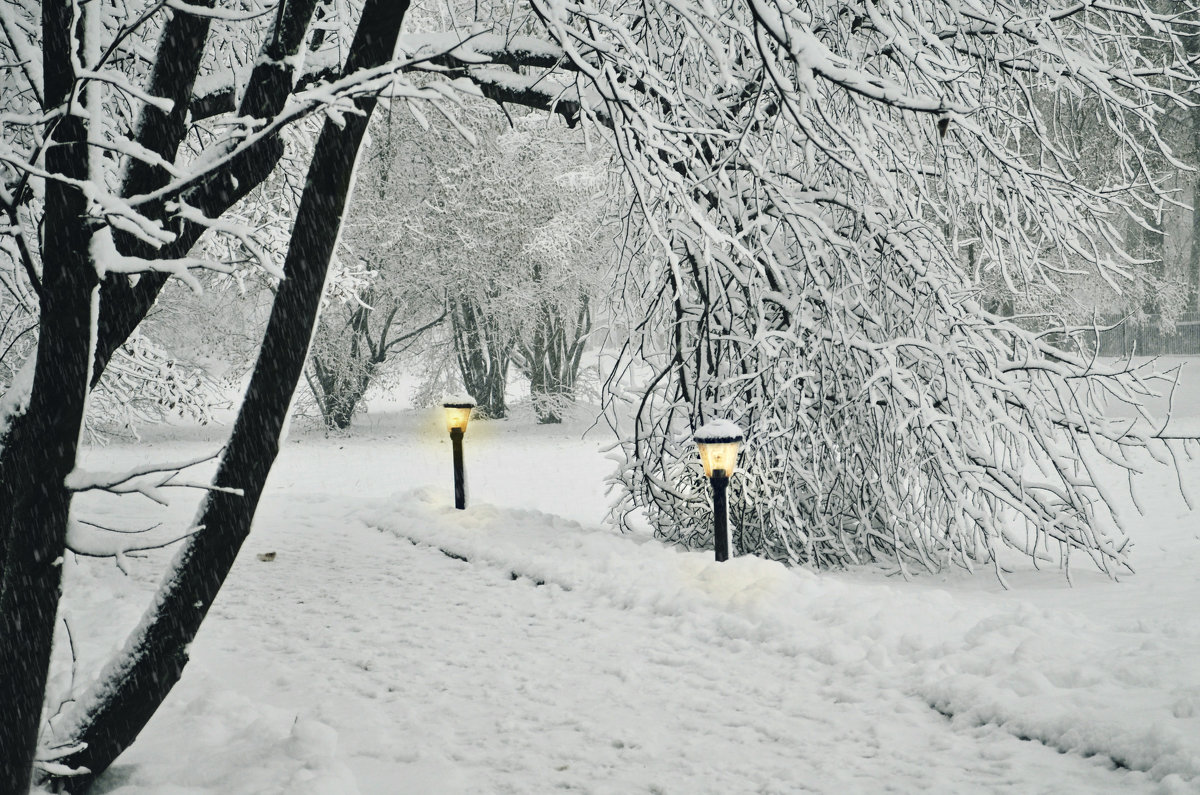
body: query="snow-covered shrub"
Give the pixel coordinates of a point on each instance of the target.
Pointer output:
(143, 384)
(804, 177)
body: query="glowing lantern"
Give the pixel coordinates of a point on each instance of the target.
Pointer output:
(718, 443)
(458, 414)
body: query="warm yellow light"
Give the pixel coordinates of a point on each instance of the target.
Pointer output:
(457, 415)
(718, 443)
(718, 455)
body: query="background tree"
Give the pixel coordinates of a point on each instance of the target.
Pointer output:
(471, 227)
(566, 258)
(376, 313)
(507, 238)
(353, 343)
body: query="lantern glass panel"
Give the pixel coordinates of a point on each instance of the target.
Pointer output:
(718, 455)
(457, 417)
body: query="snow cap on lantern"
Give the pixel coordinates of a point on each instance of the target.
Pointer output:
(458, 411)
(718, 443)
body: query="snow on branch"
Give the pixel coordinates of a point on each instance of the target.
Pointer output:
(553, 93)
(148, 217)
(452, 48)
(29, 57)
(148, 480)
(215, 94)
(108, 260)
(93, 540)
(122, 83)
(334, 99)
(224, 14)
(239, 232)
(16, 398)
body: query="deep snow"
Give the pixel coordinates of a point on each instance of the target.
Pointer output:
(369, 656)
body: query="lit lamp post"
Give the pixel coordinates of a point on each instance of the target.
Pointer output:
(458, 413)
(718, 442)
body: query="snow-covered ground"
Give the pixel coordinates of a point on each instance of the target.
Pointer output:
(395, 645)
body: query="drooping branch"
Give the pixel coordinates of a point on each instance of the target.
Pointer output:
(802, 174)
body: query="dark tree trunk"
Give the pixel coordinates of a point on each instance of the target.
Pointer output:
(124, 304)
(117, 708)
(41, 447)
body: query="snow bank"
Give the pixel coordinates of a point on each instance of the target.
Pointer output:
(1052, 676)
(1063, 681)
(206, 738)
(235, 747)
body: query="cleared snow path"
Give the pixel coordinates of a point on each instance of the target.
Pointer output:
(440, 676)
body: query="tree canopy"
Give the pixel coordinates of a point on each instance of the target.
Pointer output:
(809, 175)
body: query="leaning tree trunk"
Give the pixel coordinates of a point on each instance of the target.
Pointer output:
(124, 302)
(118, 706)
(42, 445)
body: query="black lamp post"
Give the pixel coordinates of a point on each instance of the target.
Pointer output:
(718, 443)
(458, 413)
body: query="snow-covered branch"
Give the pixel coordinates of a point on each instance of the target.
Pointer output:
(803, 175)
(148, 480)
(334, 99)
(93, 540)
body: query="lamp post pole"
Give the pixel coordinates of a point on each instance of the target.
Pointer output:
(460, 485)
(720, 515)
(458, 414)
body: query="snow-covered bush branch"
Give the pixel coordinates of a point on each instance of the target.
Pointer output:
(802, 176)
